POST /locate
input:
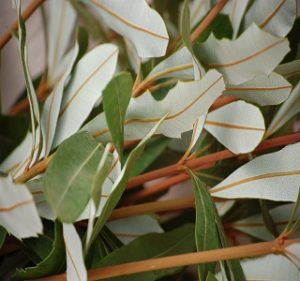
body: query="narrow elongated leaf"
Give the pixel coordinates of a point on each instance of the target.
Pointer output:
(183, 104)
(263, 90)
(52, 264)
(116, 97)
(136, 21)
(289, 69)
(273, 176)
(129, 229)
(154, 245)
(31, 95)
(239, 126)
(275, 16)
(185, 29)
(70, 175)
(3, 233)
(288, 109)
(178, 65)
(60, 25)
(92, 74)
(236, 9)
(198, 9)
(255, 226)
(206, 232)
(254, 53)
(75, 263)
(18, 213)
(52, 106)
(120, 183)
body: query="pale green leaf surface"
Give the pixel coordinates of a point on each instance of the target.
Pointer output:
(255, 52)
(70, 175)
(153, 245)
(18, 214)
(136, 21)
(131, 228)
(116, 97)
(235, 10)
(198, 9)
(287, 110)
(263, 90)
(177, 65)
(183, 104)
(76, 270)
(239, 126)
(92, 73)
(206, 231)
(274, 176)
(60, 25)
(289, 69)
(274, 16)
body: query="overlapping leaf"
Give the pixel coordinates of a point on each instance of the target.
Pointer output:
(92, 74)
(239, 126)
(255, 52)
(275, 16)
(263, 90)
(183, 104)
(18, 213)
(288, 109)
(136, 21)
(273, 176)
(289, 69)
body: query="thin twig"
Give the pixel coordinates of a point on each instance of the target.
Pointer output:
(4, 39)
(245, 251)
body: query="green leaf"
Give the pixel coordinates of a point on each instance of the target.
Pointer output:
(52, 264)
(206, 232)
(152, 245)
(2, 236)
(221, 27)
(70, 176)
(211, 277)
(120, 184)
(116, 97)
(185, 28)
(152, 151)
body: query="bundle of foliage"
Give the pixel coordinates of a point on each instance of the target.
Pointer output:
(202, 97)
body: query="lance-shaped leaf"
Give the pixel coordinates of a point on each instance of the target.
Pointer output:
(52, 105)
(235, 10)
(76, 269)
(178, 65)
(255, 52)
(136, 21)
(52, 264)
(70, 175)
(18, 213)
(288, 110)
(239, 126)
(183, 104)
(256, 227)
(129, 229)
(263, 90)
(31, 95)
(92, 74)
(116, 97)
(273, 176)
(120, 183)
(275, 16)
(289, 69)
(154, 245)
(206, 231)
(60, 25)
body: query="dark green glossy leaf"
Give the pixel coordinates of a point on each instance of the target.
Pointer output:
(52, 264)
(211, 277)
(70, 176)
(116, 97)
(206, 232)
(154, 245)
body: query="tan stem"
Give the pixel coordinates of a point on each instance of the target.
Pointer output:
(245, 251)
(4, 39)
